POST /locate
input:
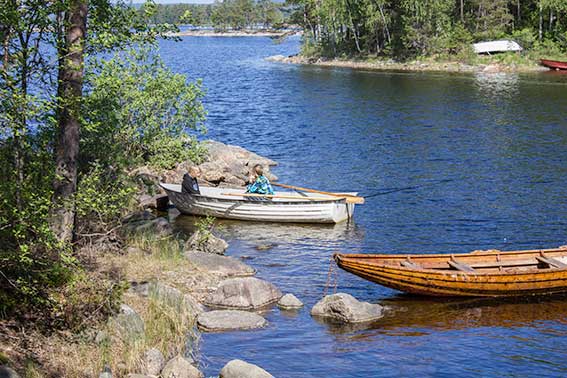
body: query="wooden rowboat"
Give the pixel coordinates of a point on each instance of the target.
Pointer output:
(477, 274)
(283, 207)
(554, 64)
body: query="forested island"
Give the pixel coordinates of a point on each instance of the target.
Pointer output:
(433, 30)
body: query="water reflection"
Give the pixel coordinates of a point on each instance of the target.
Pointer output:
(266, 235)
(497, 84)
(414, 316)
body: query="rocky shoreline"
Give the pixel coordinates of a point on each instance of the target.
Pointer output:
(179, 286)
(236, 33)
(414, 66)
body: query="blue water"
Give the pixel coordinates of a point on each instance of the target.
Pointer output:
(485, 158)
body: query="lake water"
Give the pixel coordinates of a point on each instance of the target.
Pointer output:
(485, 158)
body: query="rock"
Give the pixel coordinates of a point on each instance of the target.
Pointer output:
(101, 337)
(140, 288)
(179, 367)
(242, 369)
(138, 216)
(206, 243)
(135, 375)
(159, 226)
(153, 361)
(129, 321)
(229, 320)
(6, 372)
(216, 264)
(289, 302)
(175, 298)
(247, 293)
(106, 373)
(264, 247)
(159, 202)
(345, 308)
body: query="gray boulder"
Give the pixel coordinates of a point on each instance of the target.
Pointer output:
(229, 320)
(6, 372)
(174, 298)
(128, 322)
(159, 226)
(289, 302)
(345, 308)
(248, 293)
(216, 264)
(159, 202)
(206, 243)
(153, 361)
(242, 369)
(179, 367)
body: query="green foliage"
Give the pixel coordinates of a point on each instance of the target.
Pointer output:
(141, 113)
(205, 226)
(427, 28)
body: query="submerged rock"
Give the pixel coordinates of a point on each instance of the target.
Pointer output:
(153, 361)
(229, 320)
(206, 243)
(243, 369)
(289, 302)
(247, 293)
(179, 367)
(345, 308)
(216, 264)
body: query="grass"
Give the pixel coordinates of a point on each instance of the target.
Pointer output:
(167, 325)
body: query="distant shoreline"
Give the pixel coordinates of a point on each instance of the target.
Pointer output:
(236, 33)
(415, 66)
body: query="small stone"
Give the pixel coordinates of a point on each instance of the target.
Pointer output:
(345, 308)
(289, 302)
(243, 369)
(179, 367)
(248, 293)
(264, 247)
(216, 264)
(206, 243)
(153, 361)
(229, 320)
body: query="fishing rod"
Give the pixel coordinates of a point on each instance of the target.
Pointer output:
(413, 187)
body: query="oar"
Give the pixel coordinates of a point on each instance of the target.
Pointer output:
(284, 196)
(350, 197)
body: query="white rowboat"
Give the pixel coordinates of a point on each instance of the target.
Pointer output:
(496, 46)
(234, 204)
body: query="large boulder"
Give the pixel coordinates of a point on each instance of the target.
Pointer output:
(153, 361)
(229, 320)
(179, 367)
(159, 202)
(206, 243)
(243, 369)
(223, 265)
(248, 293)
(344, 308)
(289, 302)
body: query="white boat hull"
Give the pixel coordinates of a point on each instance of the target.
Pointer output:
(212, 202)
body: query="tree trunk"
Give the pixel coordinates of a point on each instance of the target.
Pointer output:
(540, 34)
(463, 11)
(71, 72)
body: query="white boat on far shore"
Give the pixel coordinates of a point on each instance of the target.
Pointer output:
(284, 207)
(496, 46)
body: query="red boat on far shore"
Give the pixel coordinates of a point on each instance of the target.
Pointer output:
(554, 64)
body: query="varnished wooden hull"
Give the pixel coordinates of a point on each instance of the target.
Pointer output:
(497, 276)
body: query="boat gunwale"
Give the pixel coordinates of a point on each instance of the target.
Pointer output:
(268, 201)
